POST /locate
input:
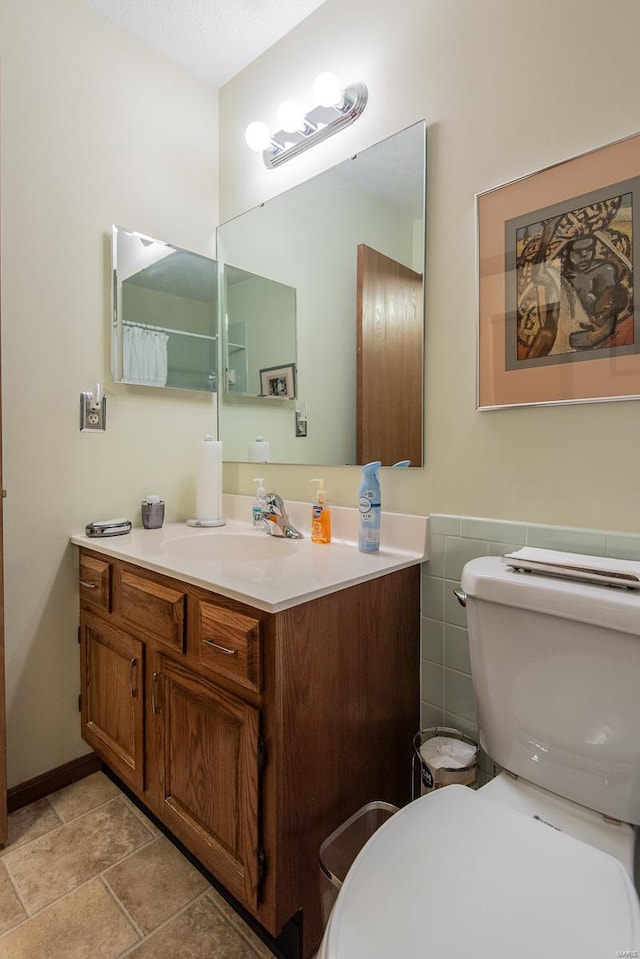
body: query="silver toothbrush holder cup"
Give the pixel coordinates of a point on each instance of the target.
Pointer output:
(152, 515)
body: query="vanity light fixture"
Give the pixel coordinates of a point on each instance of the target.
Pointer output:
(337, 108)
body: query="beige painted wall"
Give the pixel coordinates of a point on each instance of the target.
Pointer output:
(95, 129)
(507, 87)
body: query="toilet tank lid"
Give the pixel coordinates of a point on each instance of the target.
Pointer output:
(454, 870)
(489, 578)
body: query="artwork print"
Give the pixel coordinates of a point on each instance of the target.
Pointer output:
(278, 382)
(559, 283)
(570, 280)
(277, 386)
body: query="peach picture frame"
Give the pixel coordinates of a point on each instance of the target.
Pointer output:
(549, 196)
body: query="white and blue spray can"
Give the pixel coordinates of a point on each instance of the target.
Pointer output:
(369, 507)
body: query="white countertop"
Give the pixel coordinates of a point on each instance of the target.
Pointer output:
(305, 571)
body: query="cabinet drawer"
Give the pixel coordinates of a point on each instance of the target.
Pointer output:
(153, 607)
(95, 582)
(230, 643)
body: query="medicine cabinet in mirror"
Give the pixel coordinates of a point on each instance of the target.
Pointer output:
(349, 245)
(165, 314)
(168, 307)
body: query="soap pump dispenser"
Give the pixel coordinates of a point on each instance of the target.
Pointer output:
(259, 504)
(320, 515)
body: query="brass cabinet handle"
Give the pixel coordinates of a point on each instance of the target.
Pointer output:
(155, 680)
(88, 585)
(223, 649)
(133, 672)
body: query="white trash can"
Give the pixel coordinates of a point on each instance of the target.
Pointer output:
(339, 850)
(445, 756)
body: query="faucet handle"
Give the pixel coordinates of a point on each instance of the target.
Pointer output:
(276, 505)
(276, 520)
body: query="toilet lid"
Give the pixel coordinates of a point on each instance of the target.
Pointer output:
(458, 874)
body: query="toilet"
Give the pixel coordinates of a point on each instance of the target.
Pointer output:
(538, 862)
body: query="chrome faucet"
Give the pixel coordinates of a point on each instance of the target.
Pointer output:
(275, 519)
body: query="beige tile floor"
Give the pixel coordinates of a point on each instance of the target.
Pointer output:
(85, 875)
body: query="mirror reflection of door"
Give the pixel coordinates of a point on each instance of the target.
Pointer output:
(389, 360)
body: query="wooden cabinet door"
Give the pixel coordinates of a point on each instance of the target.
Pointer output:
(209, 752)
(112, 701)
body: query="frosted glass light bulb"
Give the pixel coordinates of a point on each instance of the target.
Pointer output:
(327, 90)
(257, 136)
(290, 116)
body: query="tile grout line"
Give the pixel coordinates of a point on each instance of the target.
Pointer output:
(23, 846)
(10, 848)
(240, 928)
(105, 882)
(16, 888)
(101, 877)
(164, 923)
(97, 875)
(209, 892)
(20, 900)
(152, 838)
(50, 905)
(258, 949)
(65, 822)
(50, 832)
(140, 814)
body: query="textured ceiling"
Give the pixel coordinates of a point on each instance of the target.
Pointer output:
(213, 39)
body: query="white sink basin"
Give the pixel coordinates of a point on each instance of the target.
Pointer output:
(217, 546)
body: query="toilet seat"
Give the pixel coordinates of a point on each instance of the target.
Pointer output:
(456, 873)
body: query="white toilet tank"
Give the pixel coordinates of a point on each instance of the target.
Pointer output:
(556, 674)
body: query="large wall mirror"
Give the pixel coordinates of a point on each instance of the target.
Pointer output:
(348, 245)
(165, 314)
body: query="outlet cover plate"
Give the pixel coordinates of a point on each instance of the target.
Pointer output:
(92, 418)
(301, 424)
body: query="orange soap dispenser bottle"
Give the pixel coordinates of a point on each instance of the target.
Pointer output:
(320, 516)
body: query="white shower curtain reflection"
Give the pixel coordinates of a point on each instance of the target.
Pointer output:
(144, 356)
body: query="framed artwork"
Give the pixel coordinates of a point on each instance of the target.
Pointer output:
(559, 283)
(278, 382)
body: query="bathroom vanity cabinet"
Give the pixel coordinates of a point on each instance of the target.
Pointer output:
(251, 735)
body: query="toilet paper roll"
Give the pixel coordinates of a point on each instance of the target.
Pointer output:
(209, 480)
(446, 752)
(259, 451)
(445, 760)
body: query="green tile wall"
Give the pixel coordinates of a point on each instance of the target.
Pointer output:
(447, 694)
